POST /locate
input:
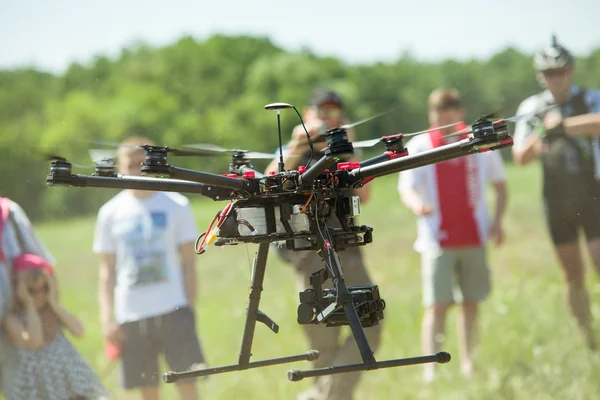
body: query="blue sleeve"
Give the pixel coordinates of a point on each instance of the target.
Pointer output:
(592, 99)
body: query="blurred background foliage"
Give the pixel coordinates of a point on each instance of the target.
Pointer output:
(214, 91)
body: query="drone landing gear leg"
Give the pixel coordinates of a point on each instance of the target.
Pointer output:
(369, 362)
(253, 314)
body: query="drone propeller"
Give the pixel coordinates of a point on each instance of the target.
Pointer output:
(102, 155)
(215, 150)
(52, 157)
(373, 142)
(362, 121)
(175, 152)
(486, 117)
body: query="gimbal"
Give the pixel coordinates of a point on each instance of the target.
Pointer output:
(313, 205)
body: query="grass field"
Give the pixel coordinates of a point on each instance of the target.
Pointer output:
(529, 347)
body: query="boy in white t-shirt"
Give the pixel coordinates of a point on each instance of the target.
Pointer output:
(148, 279)
(449, 201)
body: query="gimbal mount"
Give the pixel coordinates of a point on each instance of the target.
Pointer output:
(289, 205)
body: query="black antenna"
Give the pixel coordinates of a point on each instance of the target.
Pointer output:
(278, 107)
(554, 40)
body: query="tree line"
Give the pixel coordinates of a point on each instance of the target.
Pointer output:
(214, 91)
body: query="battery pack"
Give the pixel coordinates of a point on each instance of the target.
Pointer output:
(256, 218)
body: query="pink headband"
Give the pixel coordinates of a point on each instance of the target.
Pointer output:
(30, 261)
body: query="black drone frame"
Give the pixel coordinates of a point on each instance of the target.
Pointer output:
(268, 191)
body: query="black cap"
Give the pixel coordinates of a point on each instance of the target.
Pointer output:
(325, 96)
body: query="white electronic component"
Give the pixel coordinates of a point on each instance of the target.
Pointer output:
(355, 206)
(256, 217)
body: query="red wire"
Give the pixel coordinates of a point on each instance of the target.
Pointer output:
(221, 218)
(224, 214)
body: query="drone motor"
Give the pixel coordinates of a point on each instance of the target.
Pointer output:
(483, 129)
(501, 129)
(105, 168)
(156, 164)
(60, 172)
(394, 144)
(337, 143)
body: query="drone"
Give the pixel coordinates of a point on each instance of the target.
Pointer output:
(314, 203)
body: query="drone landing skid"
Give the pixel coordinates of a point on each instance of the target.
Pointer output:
(253, 314)
(369, 363)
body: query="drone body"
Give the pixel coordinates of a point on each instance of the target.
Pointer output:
(314, 205)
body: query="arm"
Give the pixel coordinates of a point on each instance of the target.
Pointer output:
(188, 265)
(411, 181)
(298, 145)
(187, 233)
(528, 151)
(496, 174)
(496, 230)
(409, 195)
(30, 333)
(583, 125)
(586, 124)
(67, 320)
(107, 283)
(527, 143)
(411, 199)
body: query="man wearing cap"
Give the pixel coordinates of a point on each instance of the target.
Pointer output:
(324, 111)
(561, 128)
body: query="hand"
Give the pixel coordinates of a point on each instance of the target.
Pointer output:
(552, 119)
(422, 209)
(553, 123)
(23, 293)
(52, 292)
(113, 333)
(299, 143)
(497, 233)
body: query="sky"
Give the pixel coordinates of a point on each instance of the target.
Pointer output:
(50, 35)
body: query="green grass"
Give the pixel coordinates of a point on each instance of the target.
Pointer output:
(529, 346)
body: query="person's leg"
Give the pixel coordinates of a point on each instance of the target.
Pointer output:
(593, 245)
(180, 343)
(569, 255)
(343, 386)
(139, 355)
(563, 224)
(321, 338)
(474, 286)
(437, 269)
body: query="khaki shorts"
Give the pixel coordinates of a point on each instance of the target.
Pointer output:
(455, 276)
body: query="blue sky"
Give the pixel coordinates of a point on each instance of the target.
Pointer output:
(51, 34)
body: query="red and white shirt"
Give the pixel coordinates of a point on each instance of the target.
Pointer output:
(456, 191)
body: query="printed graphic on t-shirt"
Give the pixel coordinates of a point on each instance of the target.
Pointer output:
(144, 252)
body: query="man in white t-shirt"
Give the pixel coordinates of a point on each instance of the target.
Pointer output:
(449, 201)
(148, 279)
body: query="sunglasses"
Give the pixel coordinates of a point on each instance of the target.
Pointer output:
(555, 73)
(33, 290)
(329, 113)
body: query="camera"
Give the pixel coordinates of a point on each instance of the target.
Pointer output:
(319, 305)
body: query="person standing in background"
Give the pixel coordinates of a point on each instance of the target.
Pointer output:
(562, 130)
(449, 200)
(145, 240)
(325, 111)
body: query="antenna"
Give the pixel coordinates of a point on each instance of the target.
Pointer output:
(278, 107)
(554, 40)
